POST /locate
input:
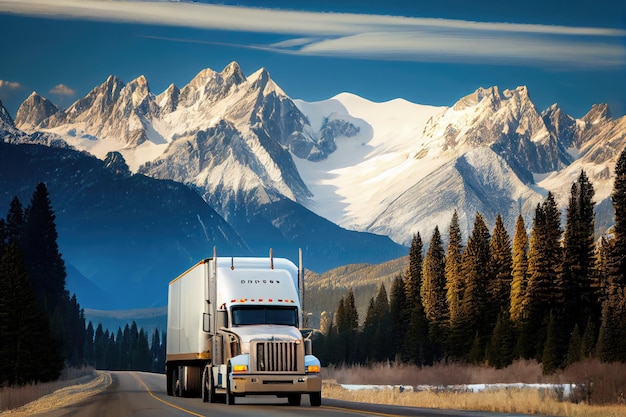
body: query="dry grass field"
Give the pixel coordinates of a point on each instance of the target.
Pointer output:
(598, 394)
(14, 397)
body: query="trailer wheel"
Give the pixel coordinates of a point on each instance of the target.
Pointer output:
(294, 399)
(208, 387)
(170, 384)
(315, 398)
(176, 385)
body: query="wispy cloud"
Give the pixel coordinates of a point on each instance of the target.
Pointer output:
(363, 36)
(10, 85)
(62, 90)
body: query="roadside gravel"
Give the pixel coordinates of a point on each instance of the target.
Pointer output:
(62, 397)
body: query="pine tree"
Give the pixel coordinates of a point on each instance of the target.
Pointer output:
(45, 265)
(89, 355)
(383, 327)
(433, 290)
(414, 272)
(15, 222)
(519, 271)
(100, 346)
(502, 343)
(28, 352)
(574, 286)
(368, 333)
(617, 258)
(475, 267)
(612, 334)
(500, 271)
(400, 317)
(574, 348)
(550, 359)
(455, 282)
(544, 258)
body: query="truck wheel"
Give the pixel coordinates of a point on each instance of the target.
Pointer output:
(230, 397)
(315, 398)
(208, 388)
(294, 399)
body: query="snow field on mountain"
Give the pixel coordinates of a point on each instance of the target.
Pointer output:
(357, 181)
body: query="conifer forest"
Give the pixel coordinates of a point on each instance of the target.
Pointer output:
(551, 292)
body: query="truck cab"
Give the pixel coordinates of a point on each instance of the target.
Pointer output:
(248, 338)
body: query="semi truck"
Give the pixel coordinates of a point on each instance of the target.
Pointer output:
(234, 329)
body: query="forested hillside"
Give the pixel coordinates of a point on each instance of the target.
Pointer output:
(554, 294)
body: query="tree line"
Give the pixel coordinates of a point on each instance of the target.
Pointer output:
(553, 295)
(42, 327)
(126, 350)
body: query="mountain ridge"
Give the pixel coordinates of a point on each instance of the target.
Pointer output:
(247, 147)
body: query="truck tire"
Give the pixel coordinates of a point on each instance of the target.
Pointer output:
(294, 399)
(208, 387)
(230, 397)
(315, 398)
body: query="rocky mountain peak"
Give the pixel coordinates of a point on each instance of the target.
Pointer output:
(598, 113)
(5, 118)
(168, 100)
(115, 162)
(492, 94)
(34, 111)
(232, 74)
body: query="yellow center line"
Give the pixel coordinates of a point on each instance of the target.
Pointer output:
(163, 401)
(355, 411)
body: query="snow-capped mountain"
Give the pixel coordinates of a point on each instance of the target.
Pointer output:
(391, 168)
(410, 166)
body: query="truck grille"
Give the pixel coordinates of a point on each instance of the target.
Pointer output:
(276, 356)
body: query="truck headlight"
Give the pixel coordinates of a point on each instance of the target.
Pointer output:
(313, 369)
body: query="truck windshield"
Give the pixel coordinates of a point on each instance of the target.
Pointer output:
(287, 316)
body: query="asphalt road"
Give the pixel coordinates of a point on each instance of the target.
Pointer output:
(138, 394)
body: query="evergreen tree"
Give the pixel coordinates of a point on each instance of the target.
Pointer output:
(475, 267)
(382, 332)
(347, 324)
(100, 347)
(519, 271)
(550, 359)
(433, 290)
(500, 271)
(45, 265)
(89, 355)
(28, 352)
(612, 335)
(500, 351)
(574, 286)
(601, 274)
(574, 348)
(544, 258)
(370, 324)
(414, 273)
(455, 282)
(588, 342)
(15, 222)
(417, 336)
(617, 258)
(400, 318)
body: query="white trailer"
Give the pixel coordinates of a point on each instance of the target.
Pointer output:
(233, 329)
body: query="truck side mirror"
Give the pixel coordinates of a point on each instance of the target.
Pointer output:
(308, 346)
(222, 318)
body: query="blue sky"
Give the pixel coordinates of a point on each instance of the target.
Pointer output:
(569, 52)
